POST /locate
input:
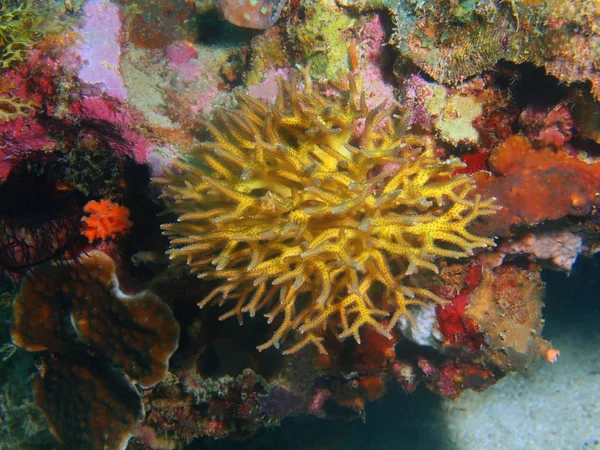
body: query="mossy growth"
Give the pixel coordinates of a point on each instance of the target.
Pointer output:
(23, 23)
(320, 38)
(91, 172)
(268, 53)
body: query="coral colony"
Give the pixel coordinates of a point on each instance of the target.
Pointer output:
(296, 203)
(371, 188)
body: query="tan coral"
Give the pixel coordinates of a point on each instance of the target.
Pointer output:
(507, 307)
(299, 214)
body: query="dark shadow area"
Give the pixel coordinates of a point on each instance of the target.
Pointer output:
(396, 421)
(572, 301)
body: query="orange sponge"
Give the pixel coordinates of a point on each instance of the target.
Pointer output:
(106, 220)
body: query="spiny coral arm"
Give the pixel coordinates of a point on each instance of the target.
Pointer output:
(308, 339)
(355, 305)
(283, 328)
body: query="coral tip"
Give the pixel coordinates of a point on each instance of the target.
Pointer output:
(552, 355)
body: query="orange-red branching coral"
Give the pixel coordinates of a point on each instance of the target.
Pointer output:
(94, 333)
(106, 220)
(300, 215)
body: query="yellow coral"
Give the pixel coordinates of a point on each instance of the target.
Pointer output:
(317, 210)
(18, 23)
(24, 23)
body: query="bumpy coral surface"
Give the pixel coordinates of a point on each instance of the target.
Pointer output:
(453, 40)
(507, 307)
(98, 343)
(88, 404)
(298, 213)
(537, 185)
(137, 333)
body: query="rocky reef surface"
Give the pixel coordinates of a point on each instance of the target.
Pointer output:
(219, 214)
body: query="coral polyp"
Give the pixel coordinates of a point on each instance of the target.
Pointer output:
(317, 211)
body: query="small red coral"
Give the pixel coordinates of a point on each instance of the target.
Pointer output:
(455, 326)
(106, 220)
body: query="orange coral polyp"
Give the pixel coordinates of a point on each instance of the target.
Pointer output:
(302, 216)
(106, 220)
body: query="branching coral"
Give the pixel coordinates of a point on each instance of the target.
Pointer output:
(318, 210)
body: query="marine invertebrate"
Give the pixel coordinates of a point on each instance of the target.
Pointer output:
(450, 378)
(26, 23)
(319, 36)
(507, 307)
(159, 24)
(22, 138)
(456, 328)
(94, 332)
(560, 248)
(87, 403)
(534, 185)
(452, 41)
(12, 107)
(100, 48)
(106, 220)
(552, 127)
(137, 333)
(298, 213)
